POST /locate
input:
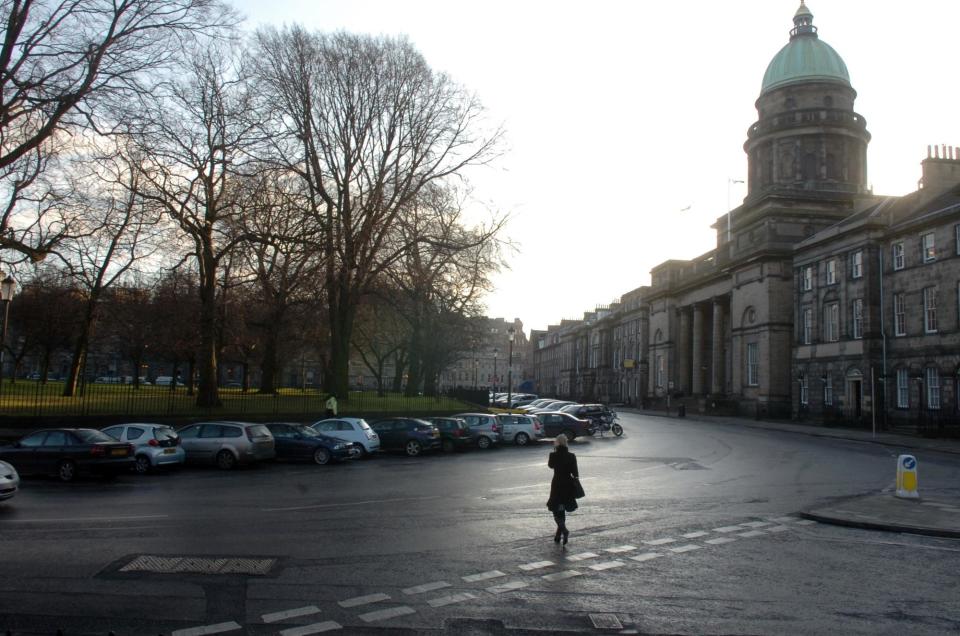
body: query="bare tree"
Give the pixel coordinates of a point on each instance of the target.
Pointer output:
(120, 231)
(67, 65)
(197, 136)
(381, 335)
(366, 124)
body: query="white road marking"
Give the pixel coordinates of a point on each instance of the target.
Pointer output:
(694, 535)
(314, 628)
(728, 529)
(536, 565)
(646, 556)
(752, 533)
(720, 540)
(204, 630)
(805, 522)
(559, 576)
(351, 503)
(300, 611)
(622, 548)
(778, 529)
(426, 587)
(607, 565)
(483, 576)
(449, 600)
(756, 524)
(507, 587)
(660, 541)
(98, 519)
(783, 519)
(686, 548)
(364, 600)
(384, 614)
(582, 556)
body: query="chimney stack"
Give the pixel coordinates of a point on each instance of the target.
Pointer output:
(941, 170)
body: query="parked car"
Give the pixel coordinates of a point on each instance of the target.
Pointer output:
(454, 433)
(67, 453)
(299, 442)
(411, 435)
(164, 380)
(484, 426)
(536, 404)
(519, 429)
(154, 445)
(227, 444)
(552, 406)
(596, 413)
(350, 429)
(557, 422)
(9, 481)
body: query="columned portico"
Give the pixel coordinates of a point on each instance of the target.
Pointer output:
(717, 362)
(696, 386)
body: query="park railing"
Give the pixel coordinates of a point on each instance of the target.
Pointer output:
(33, 399)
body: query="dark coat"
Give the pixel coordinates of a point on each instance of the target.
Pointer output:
(564, 465)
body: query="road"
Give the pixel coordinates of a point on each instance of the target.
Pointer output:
(687, 528)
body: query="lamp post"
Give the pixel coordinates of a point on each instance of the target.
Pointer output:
(7, 290)
(920, 401)
(476, 362)
(496, 380)
(510, 336)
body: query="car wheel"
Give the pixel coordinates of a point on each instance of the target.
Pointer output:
(412, 448)
(447, 446)
(226, 460)
(522, 439)
(321, 456)
(363, 451)
(617, 430)
(66, 470)
(569, 434)
(484, 442)
(142, 465)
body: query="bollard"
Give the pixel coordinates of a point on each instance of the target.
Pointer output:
(907, 477)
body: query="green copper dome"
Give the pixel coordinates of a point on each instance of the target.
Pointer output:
(806, 57)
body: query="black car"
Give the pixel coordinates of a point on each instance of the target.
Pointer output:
(299, 442)
(407, 434)
(557, 422)
(454, 433)
(68, 452)
(596, 413)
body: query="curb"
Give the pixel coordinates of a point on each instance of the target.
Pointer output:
(883, 527)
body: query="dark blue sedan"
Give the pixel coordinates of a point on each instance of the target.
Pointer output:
(302, 443)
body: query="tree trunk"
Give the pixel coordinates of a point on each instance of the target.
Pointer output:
(271, 351)
(80, 350)
(342, 312)
(208, 395)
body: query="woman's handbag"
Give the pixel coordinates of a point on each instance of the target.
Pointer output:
(578, 489)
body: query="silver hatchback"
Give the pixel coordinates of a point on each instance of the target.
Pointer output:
(227, 444)
(155, 445)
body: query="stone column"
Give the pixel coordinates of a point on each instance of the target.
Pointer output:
(683, 351)
(696, 386)
(717, 361)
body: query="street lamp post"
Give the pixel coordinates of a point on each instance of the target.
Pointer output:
(510, 335)
(496, 380)
(920, 421)
(7, 290)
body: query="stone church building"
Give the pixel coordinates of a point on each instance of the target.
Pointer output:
(820, 299)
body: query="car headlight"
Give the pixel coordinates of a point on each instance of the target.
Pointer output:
(340, 446)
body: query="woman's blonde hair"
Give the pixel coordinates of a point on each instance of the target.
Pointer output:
(560, 440)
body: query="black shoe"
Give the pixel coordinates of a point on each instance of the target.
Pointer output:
(556, 537)
(566, 535)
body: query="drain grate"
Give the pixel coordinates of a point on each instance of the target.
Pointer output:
(606, 621)
(198, 565)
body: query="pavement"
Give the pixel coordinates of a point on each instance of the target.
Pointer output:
(936, 513)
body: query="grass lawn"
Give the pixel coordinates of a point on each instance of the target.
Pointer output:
(27, 398)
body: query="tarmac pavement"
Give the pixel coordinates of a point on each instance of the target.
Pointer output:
(936, 513)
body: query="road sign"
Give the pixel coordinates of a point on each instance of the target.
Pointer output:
(907, 477)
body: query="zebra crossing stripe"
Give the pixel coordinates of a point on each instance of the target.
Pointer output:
(686, 548)
(622, 548)
(559, 576)
(483, 576)
(694, 535)
(300, 611)
(384, 614)
(778, 529)
(660, 541)
(582, 556)
(426, 587)
(536, 565)
(507, 587)
(204, 630)
(726, 529)
(756, 524)
(752, 533)
(451, 599)
(646, 556)
(720, 540)
(315, 628)
(363, 600)
(607, 565)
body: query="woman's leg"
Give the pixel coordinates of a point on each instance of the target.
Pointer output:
(560, 516)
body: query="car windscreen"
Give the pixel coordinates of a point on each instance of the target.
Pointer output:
(91, 436)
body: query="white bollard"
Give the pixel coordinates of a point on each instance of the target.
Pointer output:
(907, 477)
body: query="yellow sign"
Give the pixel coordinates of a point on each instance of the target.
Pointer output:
(907, 477)
(629, 363)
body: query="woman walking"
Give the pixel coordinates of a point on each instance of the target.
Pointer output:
(563, 487)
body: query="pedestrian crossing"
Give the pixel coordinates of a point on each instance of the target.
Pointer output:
(379, 607)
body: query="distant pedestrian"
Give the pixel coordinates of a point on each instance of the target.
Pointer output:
(332, 406)
(563, 487)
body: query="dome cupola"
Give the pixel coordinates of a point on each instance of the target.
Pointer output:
(805, 57)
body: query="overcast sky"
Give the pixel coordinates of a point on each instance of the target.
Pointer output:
(621, 114)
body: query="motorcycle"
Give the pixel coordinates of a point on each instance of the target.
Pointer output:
(607, 422)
